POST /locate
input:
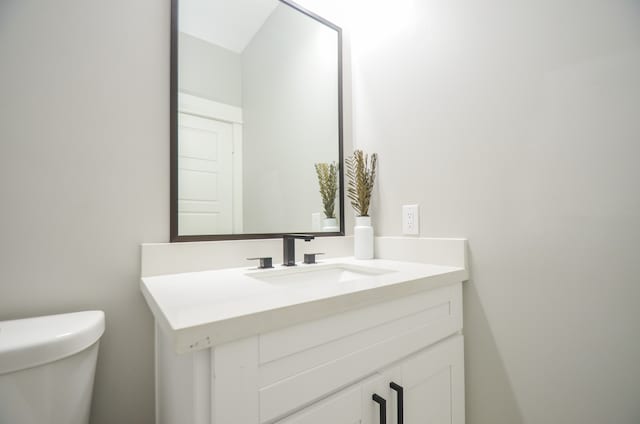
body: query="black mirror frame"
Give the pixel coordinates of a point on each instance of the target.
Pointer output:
(173, 152)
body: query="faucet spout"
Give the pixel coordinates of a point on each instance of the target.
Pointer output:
(289, 247)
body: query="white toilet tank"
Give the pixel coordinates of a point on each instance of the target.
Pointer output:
(47, 365)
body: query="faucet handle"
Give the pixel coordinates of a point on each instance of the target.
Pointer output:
(310, 258)
(265, 262)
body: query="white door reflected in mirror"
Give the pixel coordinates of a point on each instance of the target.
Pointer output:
(205, 203)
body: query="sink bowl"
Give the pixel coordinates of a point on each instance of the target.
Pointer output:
(312, 274)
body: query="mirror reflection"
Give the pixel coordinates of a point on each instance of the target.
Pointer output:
(258, 119)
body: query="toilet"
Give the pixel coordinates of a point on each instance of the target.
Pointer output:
(47, 365)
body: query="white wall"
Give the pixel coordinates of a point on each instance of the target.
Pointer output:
(209, 71)
(290, 110)
(517, 125)
(84, 175)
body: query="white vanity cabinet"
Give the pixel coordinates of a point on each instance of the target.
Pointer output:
(432, 391)
(326, 370)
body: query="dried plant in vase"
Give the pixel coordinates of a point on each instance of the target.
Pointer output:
(362, 175)
(328, 181)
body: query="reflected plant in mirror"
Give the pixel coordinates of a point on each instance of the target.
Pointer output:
(328, 182)
(256, 104)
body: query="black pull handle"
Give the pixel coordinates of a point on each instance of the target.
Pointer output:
(400, 391)
(383, 407)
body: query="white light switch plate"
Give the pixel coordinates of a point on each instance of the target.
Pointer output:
(411, 219)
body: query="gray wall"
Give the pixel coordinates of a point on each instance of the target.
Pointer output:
(209, 71)
(84, 175)
(517, 125)
(290, 120)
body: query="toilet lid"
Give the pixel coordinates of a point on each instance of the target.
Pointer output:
(26, 343)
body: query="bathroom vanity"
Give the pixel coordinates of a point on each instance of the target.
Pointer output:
(343, 341)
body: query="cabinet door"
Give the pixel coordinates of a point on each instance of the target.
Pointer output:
(345, 407)
(433, 382)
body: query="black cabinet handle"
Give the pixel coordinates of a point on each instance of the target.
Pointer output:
(398, 388)
(383, 407)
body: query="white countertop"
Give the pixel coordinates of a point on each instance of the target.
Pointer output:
(203, 309)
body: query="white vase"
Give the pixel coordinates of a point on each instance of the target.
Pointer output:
(330, 225)
(363, 238)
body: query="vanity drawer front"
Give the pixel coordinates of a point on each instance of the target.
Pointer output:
(302, 337)
(300, 364)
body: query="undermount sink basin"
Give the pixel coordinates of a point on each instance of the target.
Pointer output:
(325, 273)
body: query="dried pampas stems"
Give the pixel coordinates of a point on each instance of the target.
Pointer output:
(328, 181)
(362, 175)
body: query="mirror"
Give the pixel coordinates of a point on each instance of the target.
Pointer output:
(256, 104)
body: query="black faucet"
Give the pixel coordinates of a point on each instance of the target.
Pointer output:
(289, 247)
